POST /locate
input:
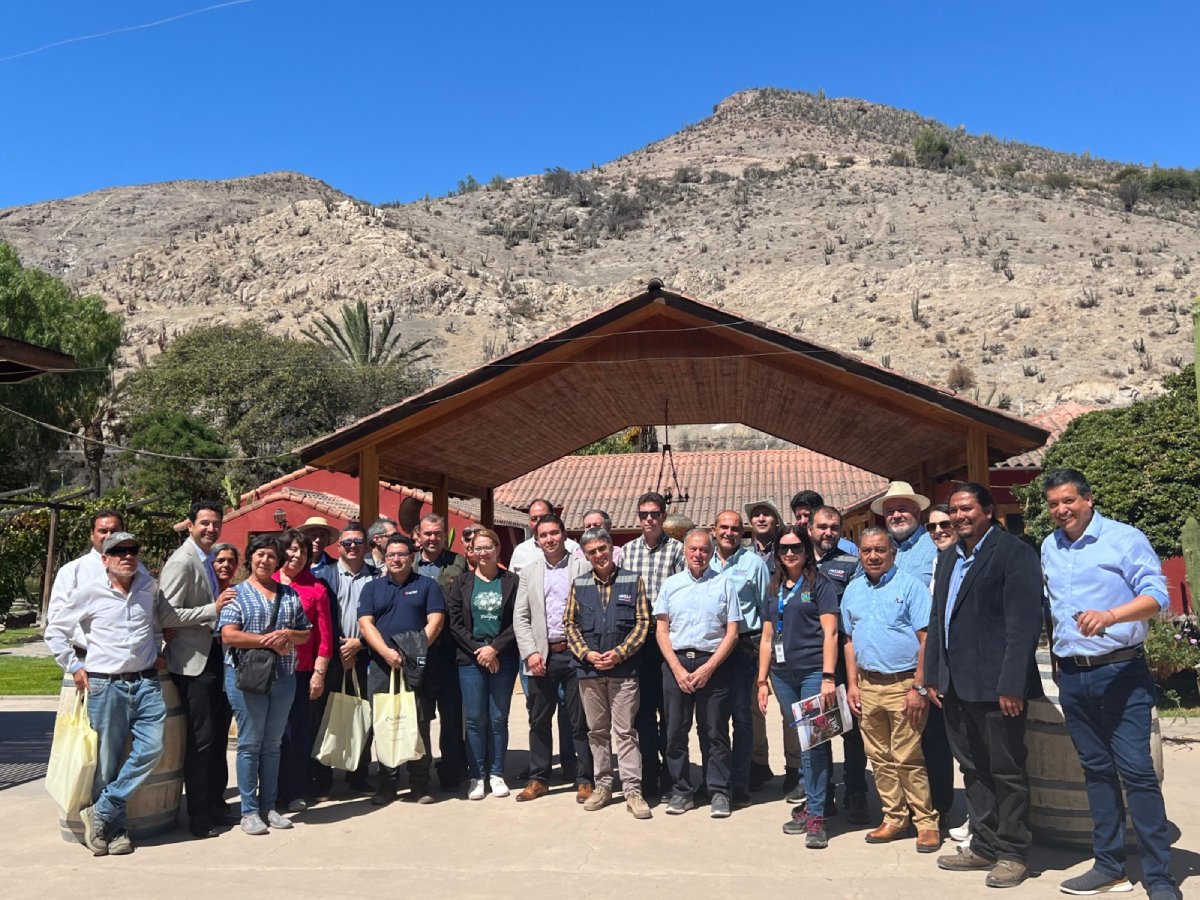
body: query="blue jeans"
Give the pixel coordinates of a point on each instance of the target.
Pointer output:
(1108, 716)
(261, 721)
(486, 700)
(791, 687)
(119, 710)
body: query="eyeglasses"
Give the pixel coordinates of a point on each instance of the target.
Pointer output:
(644, 514)
(352, 542)
(397, 555)
(931, 527)
(124, 551)
(796, 549)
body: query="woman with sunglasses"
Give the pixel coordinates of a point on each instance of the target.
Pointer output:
(939, 528)
(799, 655)
(480, 612)
(246, 624)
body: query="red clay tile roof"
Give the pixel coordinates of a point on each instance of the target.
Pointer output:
(1053, 420)
(715, 480)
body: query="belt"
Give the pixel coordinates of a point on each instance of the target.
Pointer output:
(887, 677)
(693, 654)
(1090, 662)
(125, 676)
(558, 647)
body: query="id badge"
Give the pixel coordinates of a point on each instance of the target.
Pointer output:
(779, 651)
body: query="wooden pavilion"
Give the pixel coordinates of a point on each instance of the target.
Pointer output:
(663, 350)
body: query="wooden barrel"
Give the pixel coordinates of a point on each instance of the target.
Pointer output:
(1058, 805)
(154, 807)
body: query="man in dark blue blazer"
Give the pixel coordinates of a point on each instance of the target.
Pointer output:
(980, 666)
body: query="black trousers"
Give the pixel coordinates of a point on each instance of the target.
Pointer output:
(205, 767)
(939, 761)
(442, 670)
(544, 691)
(712, 707)
(418, 769)
(990, 748)
(336, 679)
(651, 718)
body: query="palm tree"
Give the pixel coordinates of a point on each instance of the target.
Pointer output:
(92, 411)
(361, 344)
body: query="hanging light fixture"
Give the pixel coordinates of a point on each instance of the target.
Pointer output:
(280, 518)
(676, 523)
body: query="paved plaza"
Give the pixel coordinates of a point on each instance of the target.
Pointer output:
(499, 848)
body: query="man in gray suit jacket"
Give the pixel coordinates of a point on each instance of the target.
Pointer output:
(542, 643)
(194, 661)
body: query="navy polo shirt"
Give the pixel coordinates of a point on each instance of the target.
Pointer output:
(398, 608)
(803, 636)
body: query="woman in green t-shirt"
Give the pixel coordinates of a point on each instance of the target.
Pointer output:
(480, 611)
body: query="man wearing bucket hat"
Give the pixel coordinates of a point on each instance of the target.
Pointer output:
(122, 616)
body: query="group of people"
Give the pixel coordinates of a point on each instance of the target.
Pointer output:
(929, 628)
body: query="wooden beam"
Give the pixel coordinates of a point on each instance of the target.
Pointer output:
(441, 498)
(368, 485)
(977, 456)
(487, 509)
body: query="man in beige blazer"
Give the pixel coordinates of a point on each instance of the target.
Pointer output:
(542, 643)
(194, 659)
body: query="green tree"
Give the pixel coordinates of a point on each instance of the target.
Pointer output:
(40, 309)
(931, 149)
(360, 343)
(263, 394)
(1143, 462)
(176, 482)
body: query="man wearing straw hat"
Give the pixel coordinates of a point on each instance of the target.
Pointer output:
(318, 530)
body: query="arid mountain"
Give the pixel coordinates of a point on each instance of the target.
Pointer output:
(1012, 274)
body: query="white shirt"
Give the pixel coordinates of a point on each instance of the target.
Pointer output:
(123, 631)
(528, 552)
(88, 568)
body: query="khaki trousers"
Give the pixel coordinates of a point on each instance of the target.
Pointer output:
(893, 745)
(610, 705)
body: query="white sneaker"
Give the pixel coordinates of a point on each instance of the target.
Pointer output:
(499, 788)
(962, 832)
(476, 791)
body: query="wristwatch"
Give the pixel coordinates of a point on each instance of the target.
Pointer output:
(921, 689)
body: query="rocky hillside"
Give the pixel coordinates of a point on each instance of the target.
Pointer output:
(1012, 274)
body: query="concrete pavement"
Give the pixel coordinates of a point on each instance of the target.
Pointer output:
(499, 848)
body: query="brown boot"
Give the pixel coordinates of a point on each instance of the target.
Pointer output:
(885, 834)
(929, 840)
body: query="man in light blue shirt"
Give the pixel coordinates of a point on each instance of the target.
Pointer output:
(1104, 582)
(901, 509)
(698, 614)
(742, 566)
(884, 617)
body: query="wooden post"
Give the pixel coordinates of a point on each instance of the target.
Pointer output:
(368, 486)
(487, 509)
(926, 483)
(48, 575)
(977, 457)
(441, 498)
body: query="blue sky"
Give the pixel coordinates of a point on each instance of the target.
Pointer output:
(393, 100)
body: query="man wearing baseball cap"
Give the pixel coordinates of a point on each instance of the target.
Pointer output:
(122, 616)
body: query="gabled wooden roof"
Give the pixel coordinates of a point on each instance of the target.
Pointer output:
(622, 365)
(20, 361)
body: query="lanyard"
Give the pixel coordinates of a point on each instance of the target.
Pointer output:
(783, 602)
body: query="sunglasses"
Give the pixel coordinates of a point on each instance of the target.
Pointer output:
(785, 549)
(931, 527)
(124, 551)
(352, 542)
(649, 514)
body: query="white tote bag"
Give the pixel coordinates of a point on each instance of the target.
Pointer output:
(397, 737)
(73, 757)
(343, 733)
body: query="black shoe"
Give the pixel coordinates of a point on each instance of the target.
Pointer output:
(359, 786)
(760, 774)
(856, 809)
(201, 828)
(741, 798)
(386, 793)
